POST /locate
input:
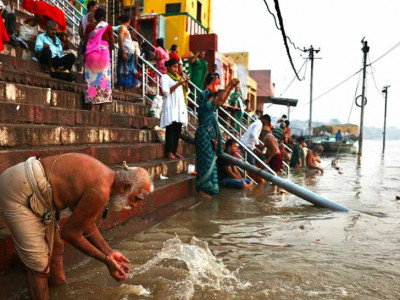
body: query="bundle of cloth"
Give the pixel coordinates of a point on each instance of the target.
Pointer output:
(44, 11)
(3, 34)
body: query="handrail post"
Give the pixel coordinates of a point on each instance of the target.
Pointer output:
(144, 76)
(158, 84)
(195, 100)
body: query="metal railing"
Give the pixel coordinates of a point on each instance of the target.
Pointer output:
(146, 78)
(73, 17)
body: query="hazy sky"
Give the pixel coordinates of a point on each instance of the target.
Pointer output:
(335, 26)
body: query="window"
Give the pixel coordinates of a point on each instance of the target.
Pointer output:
(173, 8)
(199, 5)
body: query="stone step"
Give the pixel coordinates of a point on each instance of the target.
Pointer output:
(38, 114)
(164, 167)
(17, 135)
(26, 94)
(109, 154)
(165, 192)
(40, 79)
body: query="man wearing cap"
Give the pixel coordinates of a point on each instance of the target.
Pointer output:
(34, 194)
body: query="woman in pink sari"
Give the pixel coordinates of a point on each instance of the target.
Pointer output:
(161, 55)
(99, 40)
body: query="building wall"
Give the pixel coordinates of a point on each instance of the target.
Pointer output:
(252, 93)
(226, 68)
(176, 33)
(188, 6)
(241, 59)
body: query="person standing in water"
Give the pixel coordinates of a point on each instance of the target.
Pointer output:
(208, 140)
(35, 192)
(312, 159)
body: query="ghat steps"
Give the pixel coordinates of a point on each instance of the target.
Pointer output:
(43, 116)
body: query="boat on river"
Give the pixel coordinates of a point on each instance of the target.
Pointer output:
(325, 136)
(331, 144)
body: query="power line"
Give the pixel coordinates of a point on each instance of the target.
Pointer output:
(373, 77)
(304, 75)
(330, 90)
(276, 24)
(351, 76)
(386, 53)
(278, 11)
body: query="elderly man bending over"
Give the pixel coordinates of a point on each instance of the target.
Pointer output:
(34, 192)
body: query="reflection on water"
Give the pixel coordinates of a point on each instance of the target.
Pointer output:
(261, 244)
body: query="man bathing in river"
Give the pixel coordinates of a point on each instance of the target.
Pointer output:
(34, 192)
(273, 156)
(312, 159)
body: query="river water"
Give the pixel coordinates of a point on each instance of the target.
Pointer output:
(261, 244)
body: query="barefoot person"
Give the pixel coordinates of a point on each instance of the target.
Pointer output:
(35, 192)
(228, 174)
(174, 110)
(208, 140)
(99, 43)
(312, 159)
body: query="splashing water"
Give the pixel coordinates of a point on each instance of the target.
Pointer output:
(203, 268)
(128, 289)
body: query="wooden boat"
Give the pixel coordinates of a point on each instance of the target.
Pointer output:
(330, 144)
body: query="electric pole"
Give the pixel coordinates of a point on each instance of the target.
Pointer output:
(311, 51)
(365, 50)
(385, 91)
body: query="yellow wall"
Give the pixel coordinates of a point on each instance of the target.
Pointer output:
(240, 58)
(252, 92)
(176, 33)
(189, 6)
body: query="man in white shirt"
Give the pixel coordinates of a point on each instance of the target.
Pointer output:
(250, 137)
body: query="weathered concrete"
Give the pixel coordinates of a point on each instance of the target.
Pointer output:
(25, 94)
(108, 154)
(16, 135)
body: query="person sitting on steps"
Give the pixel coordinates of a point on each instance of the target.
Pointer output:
(49, 49)
(228, 174)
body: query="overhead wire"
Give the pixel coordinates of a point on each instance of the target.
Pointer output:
(278, 11)
(373, 76)
(329, 90)
(294, 78)
(351, 76)
(386, 53)
(276, 24)
(351, 109)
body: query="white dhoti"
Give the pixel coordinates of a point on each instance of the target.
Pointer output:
(27, 208)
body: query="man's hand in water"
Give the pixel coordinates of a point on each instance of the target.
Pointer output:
(120, 259)
(117, 270)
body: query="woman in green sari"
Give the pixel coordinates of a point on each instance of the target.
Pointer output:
(208, 141)
(198, 71)
(236, 100)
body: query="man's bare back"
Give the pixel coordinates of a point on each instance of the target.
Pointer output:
(73, 175)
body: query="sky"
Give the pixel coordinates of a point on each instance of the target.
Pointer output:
(337, 28)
